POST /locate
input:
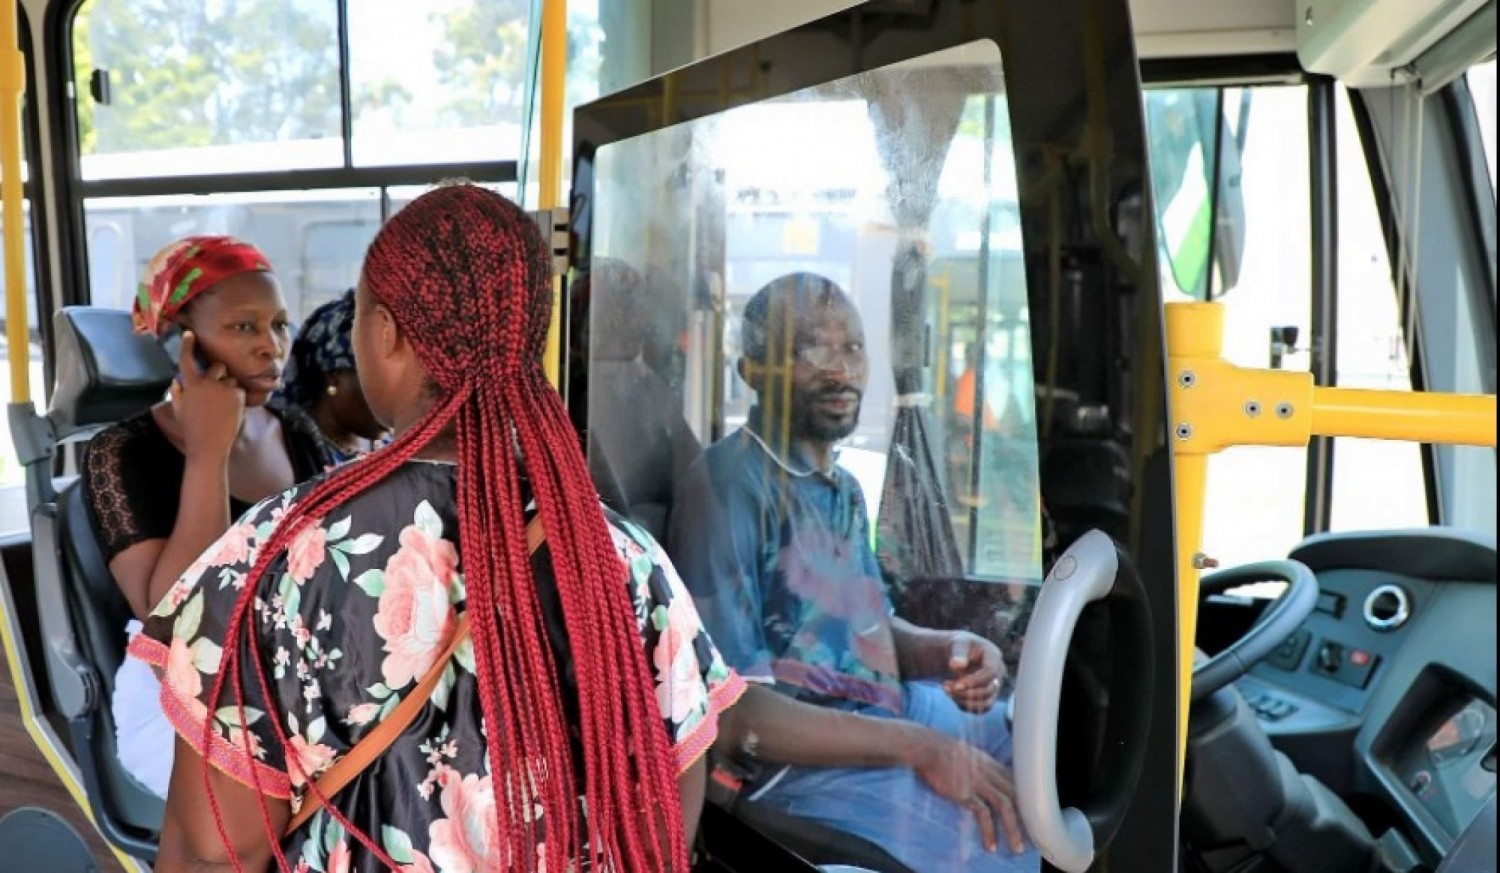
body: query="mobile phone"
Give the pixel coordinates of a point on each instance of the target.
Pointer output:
(171, 343)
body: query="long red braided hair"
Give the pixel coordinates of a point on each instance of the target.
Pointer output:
(467, 279)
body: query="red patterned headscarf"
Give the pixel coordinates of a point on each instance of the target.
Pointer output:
(185, 269)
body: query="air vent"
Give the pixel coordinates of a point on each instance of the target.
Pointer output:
(1387, 608)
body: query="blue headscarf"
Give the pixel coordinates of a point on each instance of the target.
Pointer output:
(322, 347)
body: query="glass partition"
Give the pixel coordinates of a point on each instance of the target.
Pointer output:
(810, 374)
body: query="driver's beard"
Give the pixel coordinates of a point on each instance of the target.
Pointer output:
(808, 425)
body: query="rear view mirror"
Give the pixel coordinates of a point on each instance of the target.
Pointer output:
(1195, 175)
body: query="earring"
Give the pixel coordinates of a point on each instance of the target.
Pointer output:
(333, 390)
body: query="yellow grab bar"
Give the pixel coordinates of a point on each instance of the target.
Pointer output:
(1215, 405)
(553, 93)
(12, 215)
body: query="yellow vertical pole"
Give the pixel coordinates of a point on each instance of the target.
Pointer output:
(1195, 332)
(550, 177)
(12, 83)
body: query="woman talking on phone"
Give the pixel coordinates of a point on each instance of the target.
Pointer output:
(166, 484)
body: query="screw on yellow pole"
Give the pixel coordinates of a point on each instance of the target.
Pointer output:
(1215, 405)
(553, 94)
(12, 216)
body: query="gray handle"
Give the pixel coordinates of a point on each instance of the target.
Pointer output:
(1085, 573)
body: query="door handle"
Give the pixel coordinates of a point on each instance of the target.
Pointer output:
(1092, 570)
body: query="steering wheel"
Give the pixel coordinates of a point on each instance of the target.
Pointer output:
(1280, 620)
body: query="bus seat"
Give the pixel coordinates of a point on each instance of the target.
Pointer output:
(815, 842)
(105, 373)
(636, 425)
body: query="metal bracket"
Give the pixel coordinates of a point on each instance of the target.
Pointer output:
(555, 231)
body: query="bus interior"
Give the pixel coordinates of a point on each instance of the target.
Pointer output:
(1055, 220)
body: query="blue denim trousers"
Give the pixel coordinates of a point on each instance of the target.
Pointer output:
(894, 809)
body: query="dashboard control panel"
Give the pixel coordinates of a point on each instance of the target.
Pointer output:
(1270, 707)
(1340, 661)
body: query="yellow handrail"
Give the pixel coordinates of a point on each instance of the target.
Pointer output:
(550, 176)
(1216, 405)
(12, 84)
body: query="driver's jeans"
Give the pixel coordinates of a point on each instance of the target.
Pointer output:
(896, 810)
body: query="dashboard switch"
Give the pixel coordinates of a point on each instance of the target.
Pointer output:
(1330, 658)
(1288, 655)
(1344, 664)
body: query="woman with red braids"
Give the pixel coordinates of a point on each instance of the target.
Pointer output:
(562, 685)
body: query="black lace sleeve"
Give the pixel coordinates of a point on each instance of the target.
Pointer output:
(132, 481)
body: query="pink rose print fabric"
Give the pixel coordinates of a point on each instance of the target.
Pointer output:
(349, 620)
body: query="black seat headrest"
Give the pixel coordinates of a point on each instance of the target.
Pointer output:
(105, 370)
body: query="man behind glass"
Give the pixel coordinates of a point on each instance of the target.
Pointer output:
(857, 719)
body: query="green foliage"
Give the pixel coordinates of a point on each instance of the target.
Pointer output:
(190, 73)
(483, 62)
(187, 73)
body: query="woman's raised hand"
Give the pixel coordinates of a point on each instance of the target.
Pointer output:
(209, 404)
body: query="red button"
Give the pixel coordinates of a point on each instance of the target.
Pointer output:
(1359, 658)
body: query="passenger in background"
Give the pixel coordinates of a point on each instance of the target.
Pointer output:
(320, 379)
(162, 486)
(855, 718)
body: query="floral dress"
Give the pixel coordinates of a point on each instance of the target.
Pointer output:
(348, 621)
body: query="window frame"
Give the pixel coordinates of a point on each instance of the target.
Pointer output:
(1468, 142)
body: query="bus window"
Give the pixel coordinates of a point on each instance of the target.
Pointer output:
(1377, 484)
(326, 269)
(1260, 270)
(1481, 81)
(433, 81)
(315, 239)
(167, 90)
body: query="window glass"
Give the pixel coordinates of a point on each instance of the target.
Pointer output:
(315, 240)
(1481, 81)
(1377, 484)
(435, 81)
(1259, 270)
(815, 451)
(168, 89)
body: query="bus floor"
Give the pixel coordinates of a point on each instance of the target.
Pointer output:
(29, 781)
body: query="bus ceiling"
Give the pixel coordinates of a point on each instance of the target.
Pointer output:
(1362, 43)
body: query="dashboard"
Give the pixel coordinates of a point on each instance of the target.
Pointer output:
(1389, 688)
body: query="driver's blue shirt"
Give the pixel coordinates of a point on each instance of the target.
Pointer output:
(776, 553)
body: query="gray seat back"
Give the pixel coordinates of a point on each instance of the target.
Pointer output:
(105, 373)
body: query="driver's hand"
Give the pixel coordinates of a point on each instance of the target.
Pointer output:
(973, 780)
